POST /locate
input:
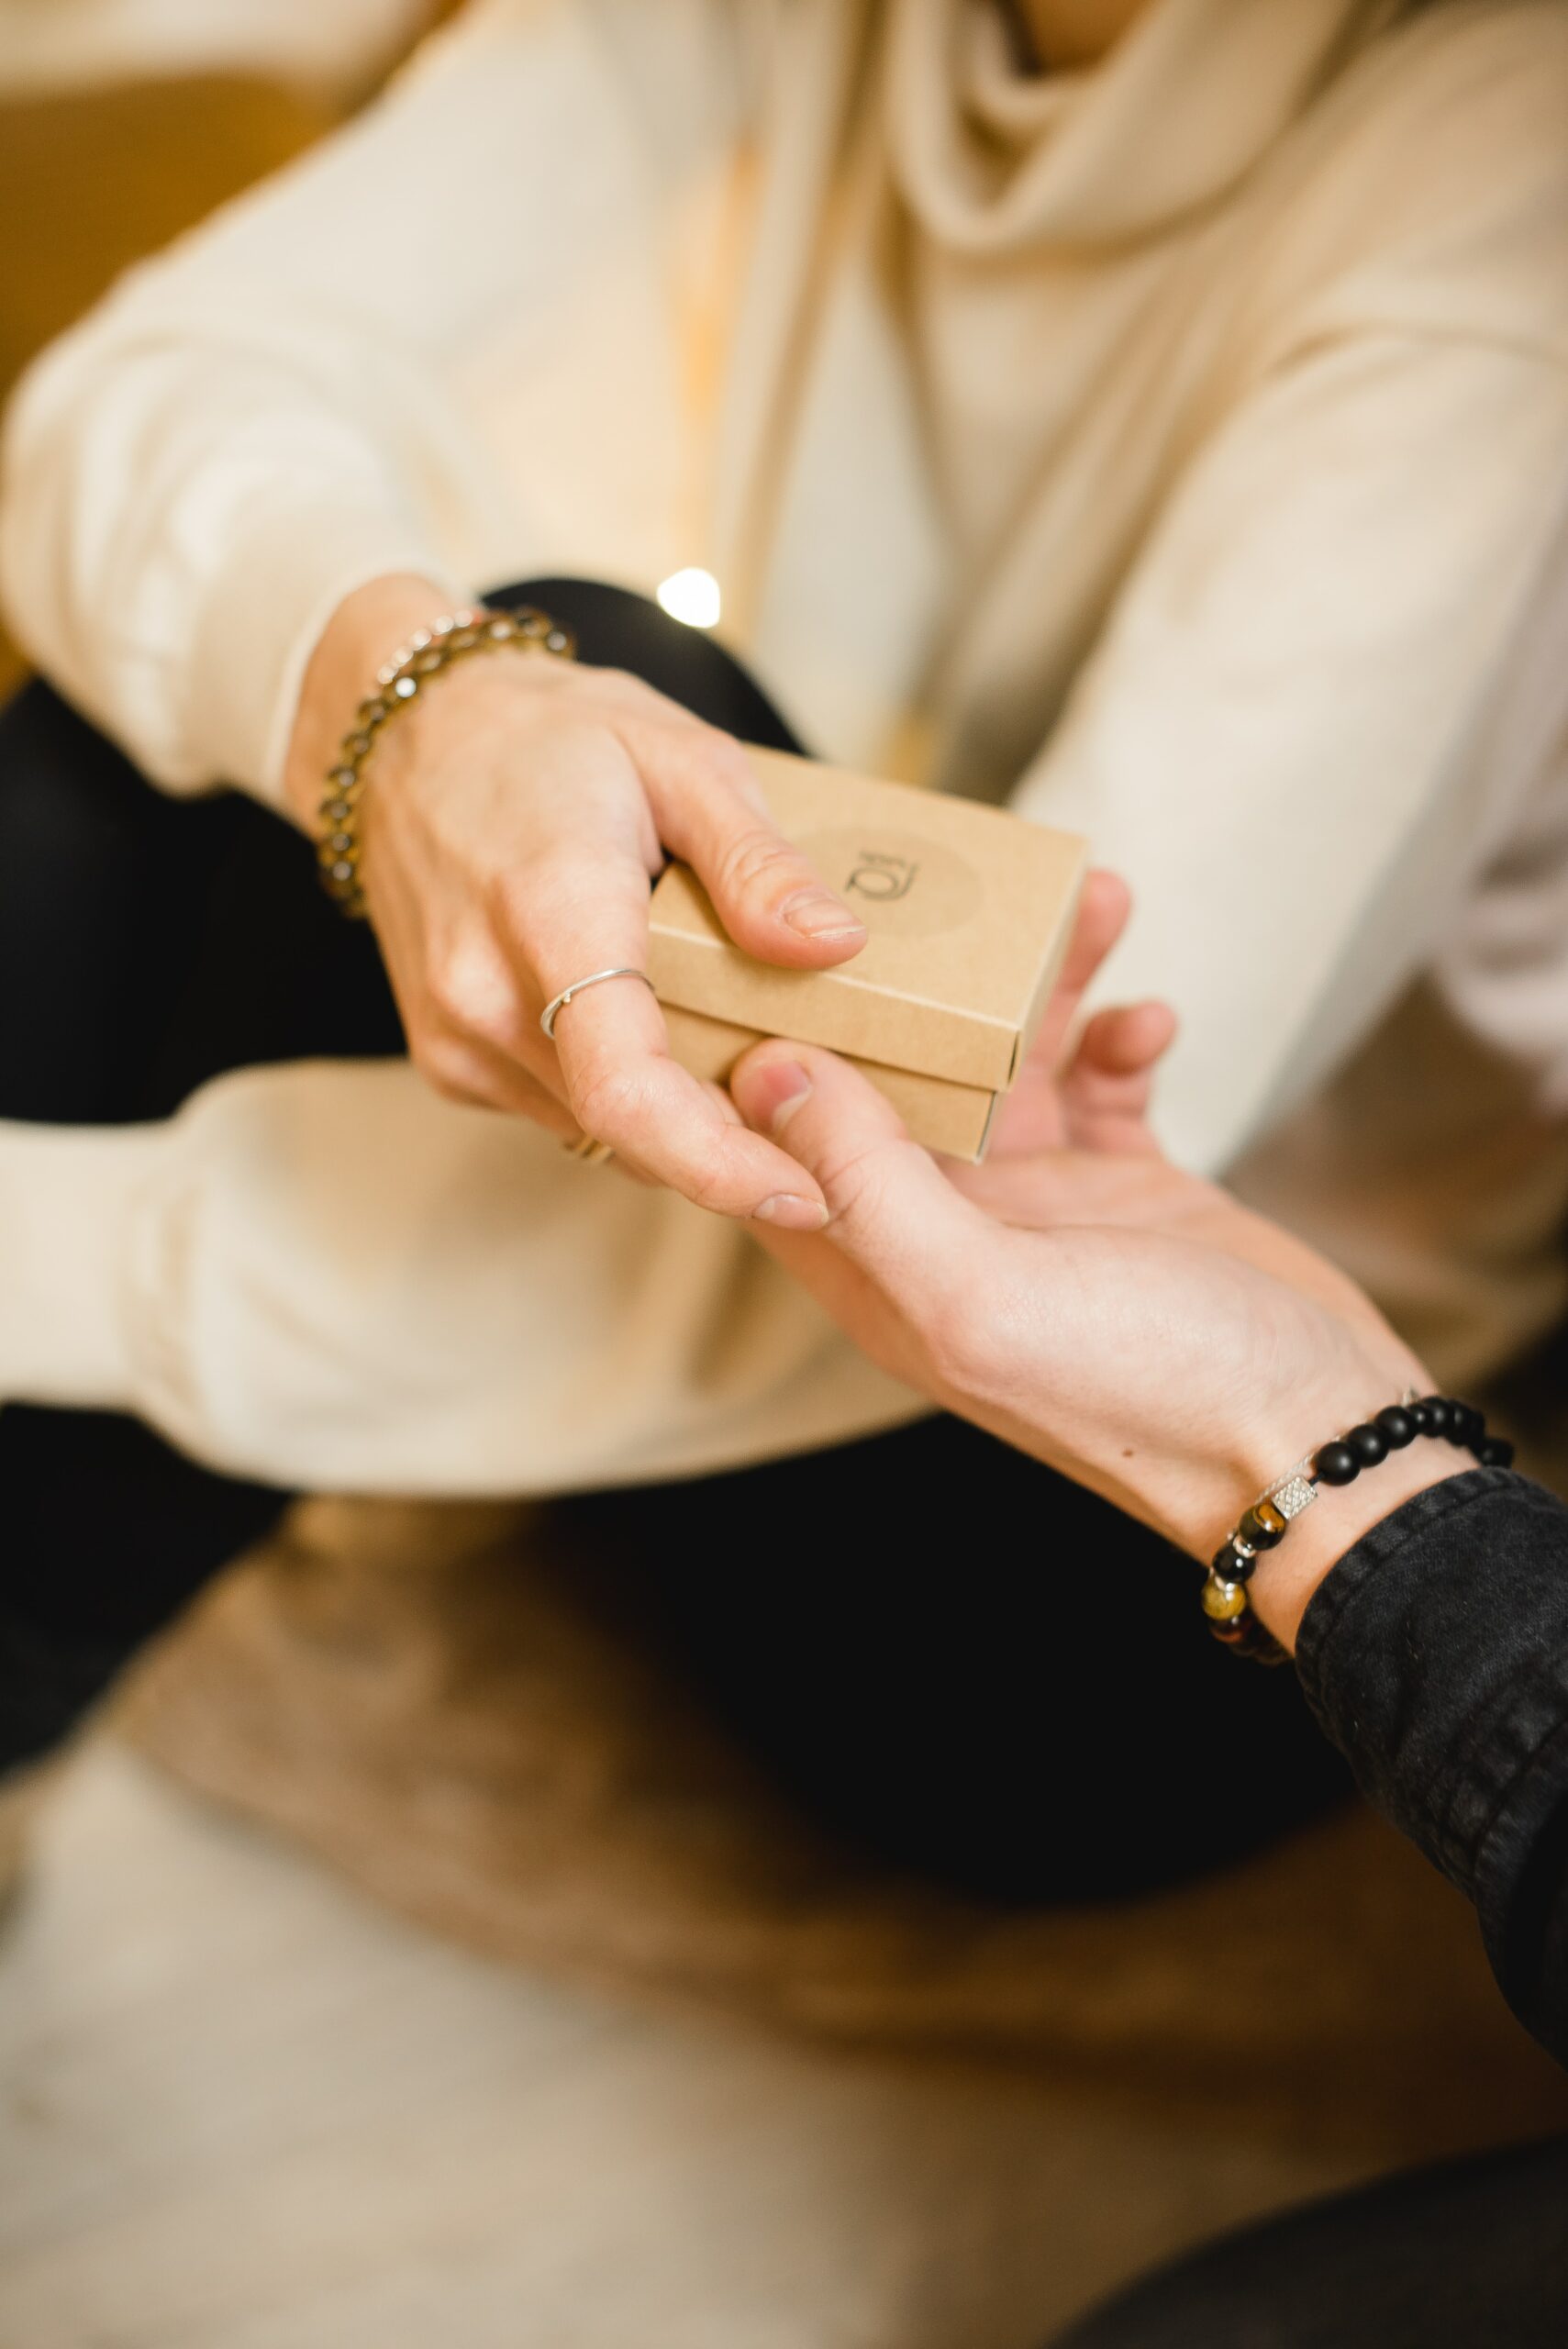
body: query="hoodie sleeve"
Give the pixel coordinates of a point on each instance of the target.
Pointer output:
(283, 405)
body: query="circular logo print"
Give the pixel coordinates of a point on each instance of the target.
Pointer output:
(899, 883)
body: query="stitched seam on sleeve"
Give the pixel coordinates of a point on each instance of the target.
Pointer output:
(1479, 1728)
(1538, 1697)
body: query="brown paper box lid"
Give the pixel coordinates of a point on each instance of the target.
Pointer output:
(969, 910)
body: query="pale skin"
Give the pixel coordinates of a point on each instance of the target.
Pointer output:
(1084, 1299)
(515, 818)
(1126, 1323)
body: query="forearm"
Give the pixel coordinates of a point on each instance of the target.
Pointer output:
(317, 389)
(320, 1275)
(1426, 1607)
(1435, 1655)
(179, 610)
(1138, 1331)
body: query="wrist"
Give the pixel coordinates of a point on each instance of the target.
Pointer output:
(1285, 1580)
(1327, 1371)
(365, 629)
(1356, 1382)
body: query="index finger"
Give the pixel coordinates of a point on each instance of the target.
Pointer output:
(712, 813)
(625, 1089)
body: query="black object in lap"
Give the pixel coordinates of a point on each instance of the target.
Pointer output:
(966, 1665)
(936, 1646)
(618, 629)
(1472, 2255)
(147, 945)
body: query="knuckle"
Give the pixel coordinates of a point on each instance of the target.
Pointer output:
(757, 861)
(727, 763)
(710, 1186)
(493, 1016)
(498, 1022)
(443, 988)
(448, 1070)
(626, 689)
(855, 1183)
(606, 1099)
(471, 988)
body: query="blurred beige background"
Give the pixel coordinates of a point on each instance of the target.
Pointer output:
(332, 48)
(123, 121)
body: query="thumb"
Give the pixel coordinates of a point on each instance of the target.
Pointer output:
(892, 1210)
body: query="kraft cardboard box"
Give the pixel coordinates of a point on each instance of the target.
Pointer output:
(968, 911)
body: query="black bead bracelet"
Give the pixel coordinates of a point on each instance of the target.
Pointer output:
(1225, 1600)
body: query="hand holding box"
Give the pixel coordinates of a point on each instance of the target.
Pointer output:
(968, 909)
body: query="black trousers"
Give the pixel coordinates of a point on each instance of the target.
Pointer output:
(1473, 2254)
(947, 1654)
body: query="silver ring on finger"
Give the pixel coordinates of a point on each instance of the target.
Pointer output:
(557, 1003)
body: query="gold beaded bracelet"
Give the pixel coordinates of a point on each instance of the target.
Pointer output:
(427, 655)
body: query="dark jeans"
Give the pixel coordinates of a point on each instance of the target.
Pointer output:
(1470, 2255)
(948, 1655)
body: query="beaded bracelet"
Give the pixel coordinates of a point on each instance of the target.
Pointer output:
(1225, 1598)
(427, 655)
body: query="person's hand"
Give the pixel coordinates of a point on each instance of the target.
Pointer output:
(514, 819)
(1126, 1324)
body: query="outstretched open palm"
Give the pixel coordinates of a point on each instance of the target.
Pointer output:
(1078, 1294)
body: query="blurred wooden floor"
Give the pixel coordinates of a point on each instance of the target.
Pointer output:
(238, 2109)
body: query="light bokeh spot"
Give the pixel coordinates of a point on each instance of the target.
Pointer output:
(692, 596)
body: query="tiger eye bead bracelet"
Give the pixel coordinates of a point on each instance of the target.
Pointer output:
(1225, 1600)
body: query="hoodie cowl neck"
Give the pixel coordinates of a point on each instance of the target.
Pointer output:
(991, 157)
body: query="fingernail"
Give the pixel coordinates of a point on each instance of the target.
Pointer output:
(792, 1214)
(773, 1093)
(815, 913)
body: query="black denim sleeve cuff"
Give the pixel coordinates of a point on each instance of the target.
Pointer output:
(1436, 1657)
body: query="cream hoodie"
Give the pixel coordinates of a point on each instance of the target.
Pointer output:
(1179, 450)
